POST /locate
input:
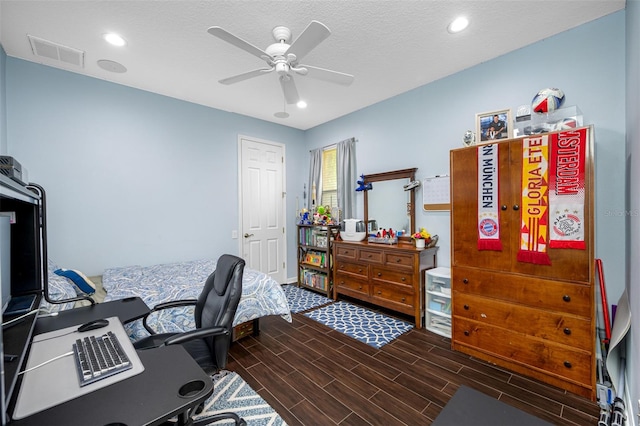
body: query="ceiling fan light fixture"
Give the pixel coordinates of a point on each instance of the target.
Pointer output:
(114, 39)
(458, 24)
(301, 104)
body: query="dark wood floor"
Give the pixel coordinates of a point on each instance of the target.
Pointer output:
(313, 375)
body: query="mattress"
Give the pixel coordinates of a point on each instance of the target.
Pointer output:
(261, 295)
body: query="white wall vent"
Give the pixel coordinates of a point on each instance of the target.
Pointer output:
(48, 49)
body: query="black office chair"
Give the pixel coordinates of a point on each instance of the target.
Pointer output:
(214, 311)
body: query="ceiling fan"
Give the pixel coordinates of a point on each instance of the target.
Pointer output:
(284, 58)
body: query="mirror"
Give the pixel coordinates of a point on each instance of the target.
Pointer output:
(388, 204)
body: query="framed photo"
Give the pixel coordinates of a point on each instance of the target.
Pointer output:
(493, 125)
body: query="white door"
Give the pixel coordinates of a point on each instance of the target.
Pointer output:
(262, 197)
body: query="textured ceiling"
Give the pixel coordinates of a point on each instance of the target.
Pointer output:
(389, 46)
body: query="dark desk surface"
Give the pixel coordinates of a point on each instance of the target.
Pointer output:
(127, 310)
(148, 398)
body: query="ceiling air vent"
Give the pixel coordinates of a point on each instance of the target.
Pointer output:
(48, 49)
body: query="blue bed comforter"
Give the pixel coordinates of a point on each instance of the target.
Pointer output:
(261, 295)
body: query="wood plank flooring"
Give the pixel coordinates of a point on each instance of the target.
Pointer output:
(313, 375)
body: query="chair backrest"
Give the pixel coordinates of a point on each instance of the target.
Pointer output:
(218, 302)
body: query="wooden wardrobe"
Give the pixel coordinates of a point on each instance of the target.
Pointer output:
(538, 320)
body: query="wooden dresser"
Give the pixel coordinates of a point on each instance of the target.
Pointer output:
(389, 276)
(535, 319)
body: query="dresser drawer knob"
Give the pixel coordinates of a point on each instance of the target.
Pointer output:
(360, 270)
(465, 280)
(359, 287)
(379, 274)
(567, 331)
(398, 260)
(516, 207)
(566, 298)
(379, 292)
(404, 299)
(403, 279)
(466, 307)
(503, 207)
(466, 332)
(567, 364)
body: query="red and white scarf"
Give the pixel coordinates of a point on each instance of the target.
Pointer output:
(566, 195)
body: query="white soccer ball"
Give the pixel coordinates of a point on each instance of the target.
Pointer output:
(566, 124)
(547, 100)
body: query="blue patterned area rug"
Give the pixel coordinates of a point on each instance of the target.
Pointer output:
(232, 393)
(373, 328)
(302, 300)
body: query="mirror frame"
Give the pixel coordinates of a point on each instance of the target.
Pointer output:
(396, 174)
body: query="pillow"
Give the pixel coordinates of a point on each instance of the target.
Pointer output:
(82, 283)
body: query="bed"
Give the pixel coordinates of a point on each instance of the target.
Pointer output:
(261, 295)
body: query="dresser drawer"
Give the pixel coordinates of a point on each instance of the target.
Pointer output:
(399, 259)
(534, 292)
(571, 330)
(372, 256)
(348, 284)
(548, 357)
(352, 268)
(397, 277)
(401, 296)
(346, 252)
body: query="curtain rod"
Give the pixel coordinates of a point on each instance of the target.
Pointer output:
(333, 144)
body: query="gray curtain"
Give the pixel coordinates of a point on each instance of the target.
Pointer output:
(347, 178)
(315, 171)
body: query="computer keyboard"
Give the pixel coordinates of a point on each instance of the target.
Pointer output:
(98, 357)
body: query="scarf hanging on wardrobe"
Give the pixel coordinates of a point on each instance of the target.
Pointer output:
(535, 201)
(488, 202)
(567, 197)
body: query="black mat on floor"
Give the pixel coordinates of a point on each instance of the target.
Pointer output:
(469, 407)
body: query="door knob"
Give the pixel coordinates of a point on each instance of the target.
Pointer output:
(248, 235)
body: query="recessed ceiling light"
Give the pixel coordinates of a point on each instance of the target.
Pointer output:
(114, 39)
(458, 25)
(301, 104)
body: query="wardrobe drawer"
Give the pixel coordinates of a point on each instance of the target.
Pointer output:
(397, 277)
(535, 292)
(551, 358)
(372, 256)
(352, 268)
(571, 330)
(399, 259)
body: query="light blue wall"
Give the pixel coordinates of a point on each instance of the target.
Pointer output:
(633, 202)
(132, 177)
(420, 127)
(3, 103)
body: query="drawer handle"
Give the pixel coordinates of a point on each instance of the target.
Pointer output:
(360, 270)
(567, 331)
(567, 364)
(404, 299)
(369, 256)
(503, 207)
(465, 280)
(359, 287)
(398, 260)
(403, 279)
(379, 274)
(516, 207)
(466, 307)
(466, 332)
(379, 292)
(566, 298)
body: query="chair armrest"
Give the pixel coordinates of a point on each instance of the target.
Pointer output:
(196, 334)
(166, 305)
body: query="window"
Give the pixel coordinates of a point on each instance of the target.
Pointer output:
(329, 195)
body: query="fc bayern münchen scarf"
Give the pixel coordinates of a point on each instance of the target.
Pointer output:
(566, 195)
(535, 200)
(488, 210)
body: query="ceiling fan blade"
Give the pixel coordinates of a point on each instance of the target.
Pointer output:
(289, 89)
(312, 36)
(245, 76)
(328, 75)
(237, 42)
